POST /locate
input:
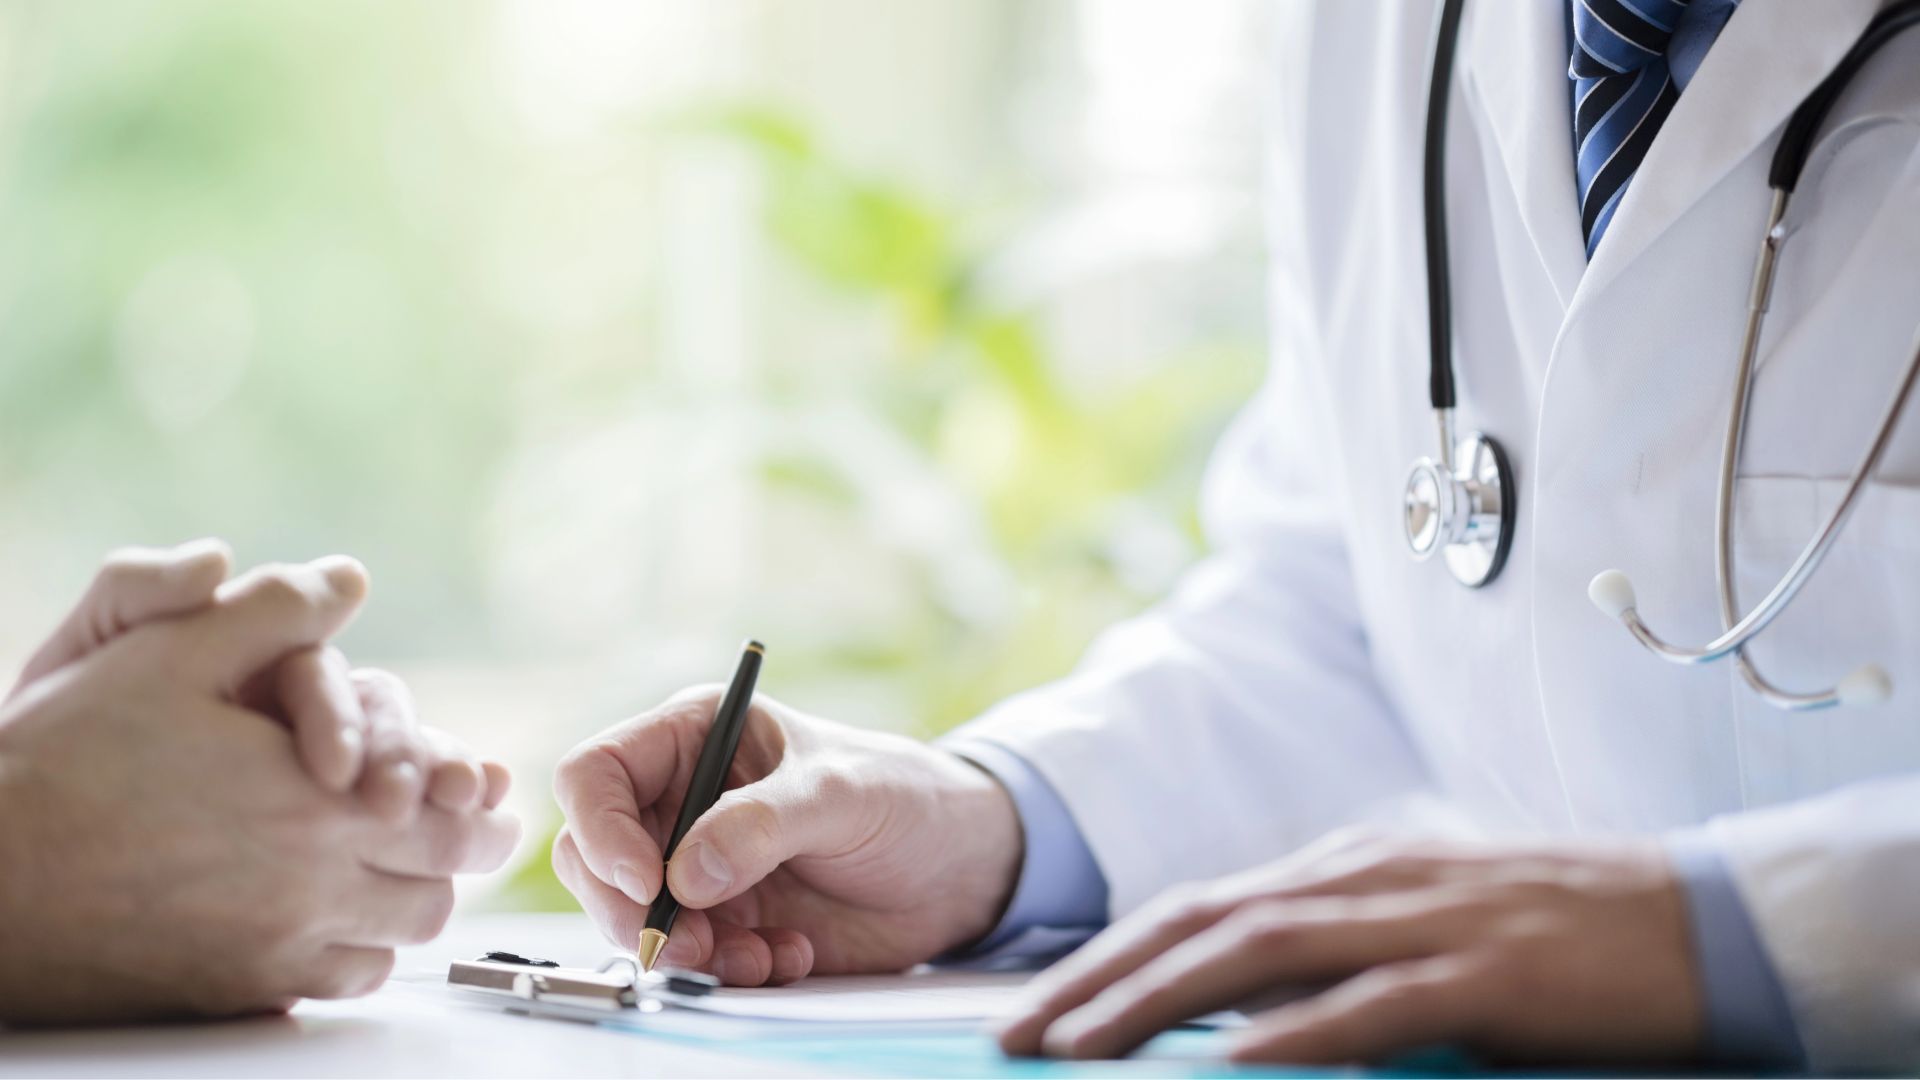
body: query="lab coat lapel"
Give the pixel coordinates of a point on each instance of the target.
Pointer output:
(1769, 57)
(1515, 60)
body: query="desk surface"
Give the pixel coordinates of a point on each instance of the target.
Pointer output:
(404, 1029)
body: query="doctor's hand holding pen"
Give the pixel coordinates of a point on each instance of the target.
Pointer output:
(208, 812)
(835, 849)
(842, 850)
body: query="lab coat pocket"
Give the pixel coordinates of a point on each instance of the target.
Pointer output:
(1862, 605)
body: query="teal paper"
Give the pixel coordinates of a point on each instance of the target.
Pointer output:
(1174, 1054)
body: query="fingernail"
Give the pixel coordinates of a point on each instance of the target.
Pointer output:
(405, 786)
(499, 780)
(629, 881)
(703, 873)
(405, 774)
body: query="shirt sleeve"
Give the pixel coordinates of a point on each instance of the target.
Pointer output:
(1061, 897)
(1749, 1020)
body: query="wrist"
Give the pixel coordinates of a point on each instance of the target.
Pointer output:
(990, 841)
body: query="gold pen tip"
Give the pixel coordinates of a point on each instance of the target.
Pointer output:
(651, 942)
(756, 647)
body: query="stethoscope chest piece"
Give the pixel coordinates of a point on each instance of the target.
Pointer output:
(1463, 509)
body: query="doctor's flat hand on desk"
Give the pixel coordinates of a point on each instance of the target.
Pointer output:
(214, 814)
(1576, 952)
(835, 849)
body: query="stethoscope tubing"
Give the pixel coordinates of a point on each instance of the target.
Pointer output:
(1611, 590)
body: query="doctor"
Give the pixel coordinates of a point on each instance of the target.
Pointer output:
(1481, 816)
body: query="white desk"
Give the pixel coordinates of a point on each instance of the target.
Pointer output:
(402, 1030)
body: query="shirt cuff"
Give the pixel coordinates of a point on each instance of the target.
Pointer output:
(1060, 899)
(1747, 1015)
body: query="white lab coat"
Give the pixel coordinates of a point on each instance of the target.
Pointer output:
(1310, 674)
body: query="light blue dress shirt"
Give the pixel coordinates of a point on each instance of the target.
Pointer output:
(1061, 897)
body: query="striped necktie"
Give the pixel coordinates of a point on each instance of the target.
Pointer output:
(1622, 94)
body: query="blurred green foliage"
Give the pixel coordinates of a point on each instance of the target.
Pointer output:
(251, 144)
(269, 271)
(967, 371)
(1063, 461)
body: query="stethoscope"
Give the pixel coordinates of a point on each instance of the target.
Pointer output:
(1462, 503)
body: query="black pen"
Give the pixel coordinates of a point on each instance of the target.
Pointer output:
(709, 779)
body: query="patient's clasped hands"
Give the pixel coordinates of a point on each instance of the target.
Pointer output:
(207, 812)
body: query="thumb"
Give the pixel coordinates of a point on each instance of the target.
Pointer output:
(263, 615)
(134, 586)
(752, 830)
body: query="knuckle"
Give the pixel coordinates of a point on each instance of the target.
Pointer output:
(564, 855)
(1269, 927)
(332, 981)
(376, 682)
(123, 566)
(836, 787)
(1489, 977)
(374, 973)
(1523, 960)
(1187, 907)
(1401, 863)
(302, 669)
(1398, 989)
(754, 827)
(1155, 997)
(281, 588)
(1398, 859)
(579, 765)
(1399, 994)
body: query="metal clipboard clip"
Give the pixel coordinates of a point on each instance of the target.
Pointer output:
(616, 984)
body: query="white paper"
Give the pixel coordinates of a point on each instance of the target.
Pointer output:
(915, 998)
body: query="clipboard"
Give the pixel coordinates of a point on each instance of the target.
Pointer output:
(542, 987)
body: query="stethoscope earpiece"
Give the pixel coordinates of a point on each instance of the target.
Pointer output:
(1868, 684)
(1612, 592)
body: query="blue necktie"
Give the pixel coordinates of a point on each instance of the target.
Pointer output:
(1623, 92)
